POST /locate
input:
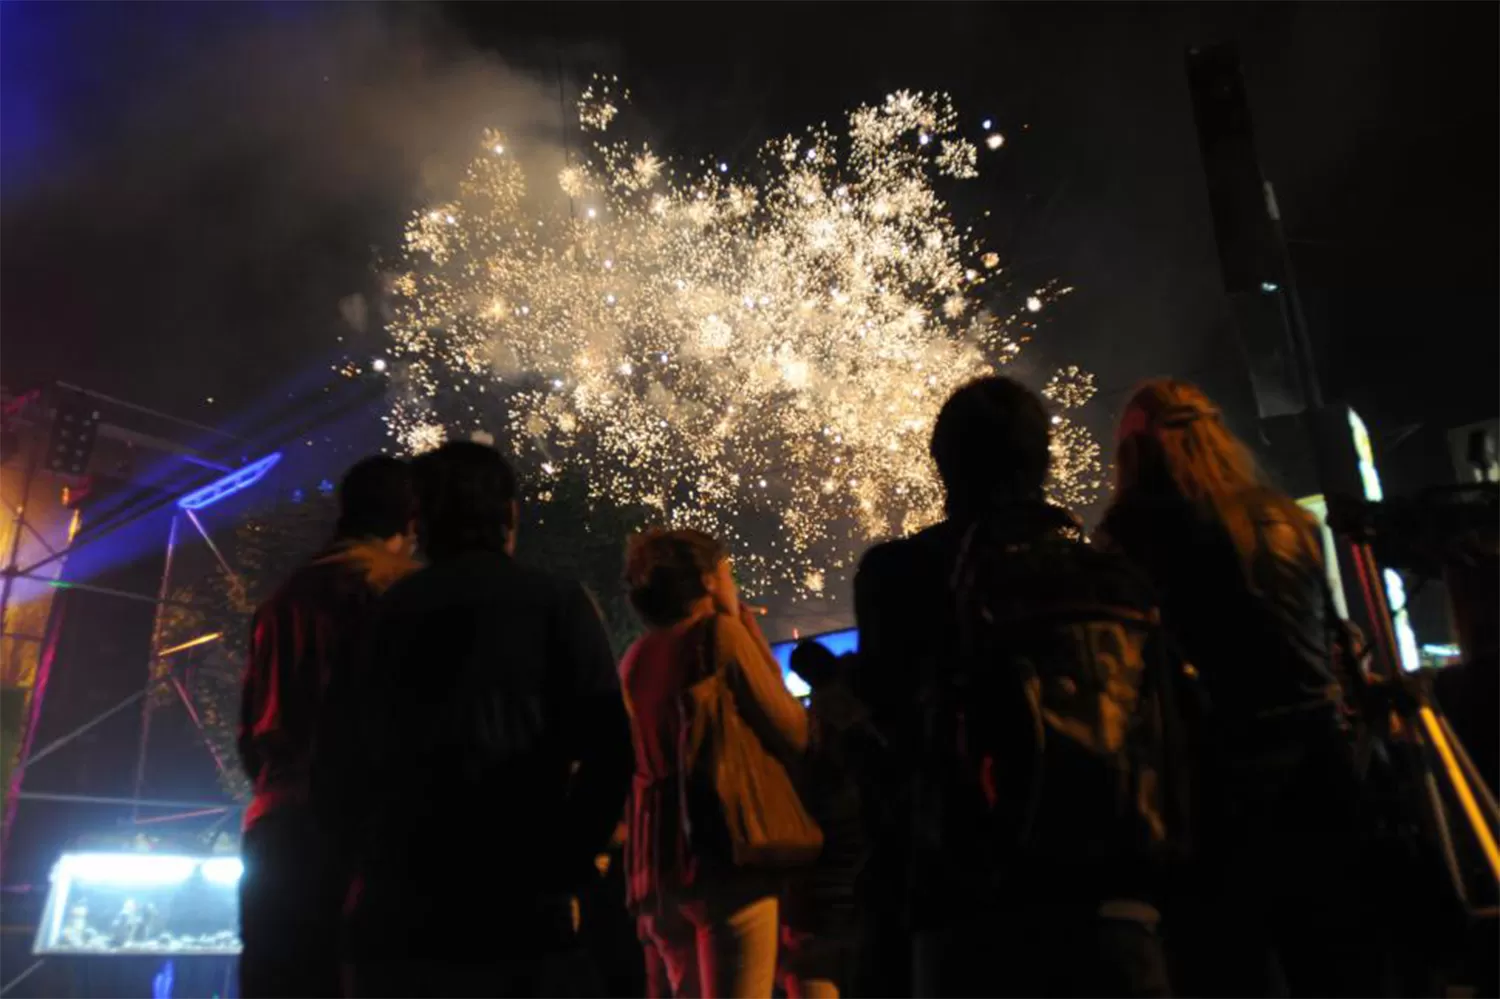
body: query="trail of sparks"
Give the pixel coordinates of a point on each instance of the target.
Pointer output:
(762, 360)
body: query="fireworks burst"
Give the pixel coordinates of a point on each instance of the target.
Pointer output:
(763, 360)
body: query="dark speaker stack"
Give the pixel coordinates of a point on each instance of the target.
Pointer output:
(1246, 220)
(75, 429)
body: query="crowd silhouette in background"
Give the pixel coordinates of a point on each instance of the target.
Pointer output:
(1056, 766)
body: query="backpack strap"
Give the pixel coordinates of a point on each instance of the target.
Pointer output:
(703, 667)
(977, 540)
(706, 646)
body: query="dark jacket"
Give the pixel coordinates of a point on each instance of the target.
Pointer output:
(1278, 792)
(308, 645)
(1280, 830)
(1055, 713)
(1253, 623)
(822, 898)
(905, 612)
(493, 722)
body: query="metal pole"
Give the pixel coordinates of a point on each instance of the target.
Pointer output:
(22, 976)
(158, 620)
(1467, 803)
(196, 813)
(46, 655)
(9, 671)
(212, 831)
(149, 412)
(1476, 780)
(223, 562)
(38, 535)
(105, 799)
(1372, 589)
(187, 703)
(62, 741)
(106, 591)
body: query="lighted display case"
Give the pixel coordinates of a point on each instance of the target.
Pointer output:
(141, 903)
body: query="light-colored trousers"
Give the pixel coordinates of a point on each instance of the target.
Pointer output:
(696, 950)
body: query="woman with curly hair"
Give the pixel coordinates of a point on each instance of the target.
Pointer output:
(709, 927)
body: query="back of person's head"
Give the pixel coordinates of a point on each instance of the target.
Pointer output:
(1172, 440)
(665, 570)
(376, 499)
(466, 497)
(1173, 445)
(814, 662)
(991, 443)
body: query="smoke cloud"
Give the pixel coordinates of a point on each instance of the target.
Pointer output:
(196, 197)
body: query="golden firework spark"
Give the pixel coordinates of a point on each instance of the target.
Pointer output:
(753, 358)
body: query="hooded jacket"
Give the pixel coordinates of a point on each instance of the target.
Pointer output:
(307, 643)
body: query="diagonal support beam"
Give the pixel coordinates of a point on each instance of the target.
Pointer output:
(192, 710)
(102, 716)
(223, 562)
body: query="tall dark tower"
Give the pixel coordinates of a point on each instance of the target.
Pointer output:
(1247, 225)
(1316, 450)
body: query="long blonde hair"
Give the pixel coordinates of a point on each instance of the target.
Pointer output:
(1173, 441)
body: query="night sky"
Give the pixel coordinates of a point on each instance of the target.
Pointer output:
(188, 191)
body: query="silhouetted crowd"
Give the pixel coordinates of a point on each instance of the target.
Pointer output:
(1057, 766)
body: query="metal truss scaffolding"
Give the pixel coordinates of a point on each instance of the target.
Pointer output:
(164, 676)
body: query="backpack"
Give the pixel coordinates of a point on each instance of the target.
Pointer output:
(1048, 734)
